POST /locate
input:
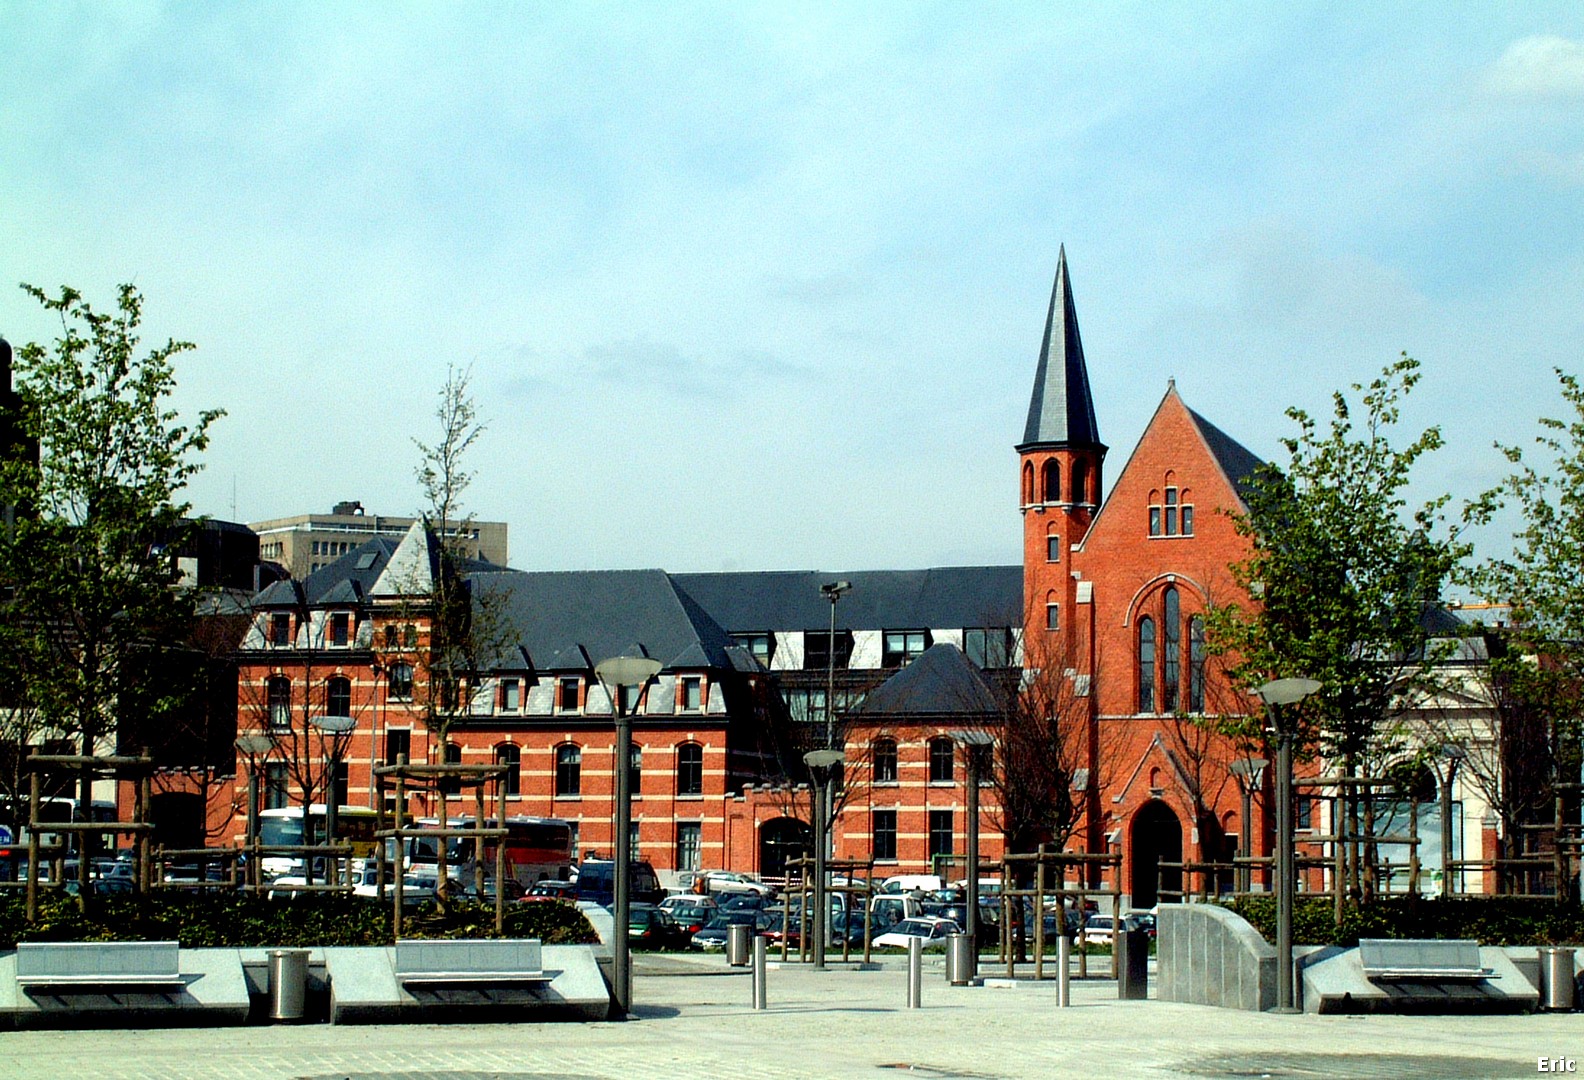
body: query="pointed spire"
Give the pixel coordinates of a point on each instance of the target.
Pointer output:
(1061, 411)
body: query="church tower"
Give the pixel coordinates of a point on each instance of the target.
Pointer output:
(1060, 454)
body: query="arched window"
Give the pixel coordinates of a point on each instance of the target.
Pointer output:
(338, 696)
(883, 761)
(940, 761)
(569, 770)
(277, 691)
(1028, 482)
(690, 769)
(1051, 481)
(508, 755)
(1080, 482)
(1171, 668)
(1146, 665)
(1196, 665)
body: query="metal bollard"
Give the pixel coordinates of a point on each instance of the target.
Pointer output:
(738, 944)
(759, 943)
(1063, 971)
(915, 993)
(1556, 978)
(288, 983)
(959, 960)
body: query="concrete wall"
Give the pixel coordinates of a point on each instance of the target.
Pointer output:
(1206, 955)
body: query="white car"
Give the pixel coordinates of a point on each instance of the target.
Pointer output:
(729, 881)
(931, 930)
(686, 900)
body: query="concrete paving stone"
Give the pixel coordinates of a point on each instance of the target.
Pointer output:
(693, 1018)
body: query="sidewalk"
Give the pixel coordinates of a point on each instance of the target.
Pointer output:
(692, 1020)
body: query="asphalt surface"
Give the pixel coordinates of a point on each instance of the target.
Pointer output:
(693, 1018)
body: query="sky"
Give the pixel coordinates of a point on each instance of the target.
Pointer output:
(750, 287)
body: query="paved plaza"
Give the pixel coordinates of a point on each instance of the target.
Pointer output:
(693, 1019)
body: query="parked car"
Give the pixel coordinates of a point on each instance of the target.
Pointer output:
(691, 917)
(929, 928)
(713, 936)
(549, 889)
(1101, 929)
(709, 882)
(596, 883)
(650, 927)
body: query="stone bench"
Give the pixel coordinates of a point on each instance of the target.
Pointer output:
(464, 962)
(1387, 959)
(119, 964)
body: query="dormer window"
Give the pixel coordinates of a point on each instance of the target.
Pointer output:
(280, 629)
(567, 695)
(340, 629)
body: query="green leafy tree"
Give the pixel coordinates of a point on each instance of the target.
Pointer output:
(1344, 578)
(88, 564)
(1538, 668)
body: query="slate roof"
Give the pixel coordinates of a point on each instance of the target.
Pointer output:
(956, 596)
(941, 682)
(331, 583)
(1236, 460)
(1061, 409)
(570, 620)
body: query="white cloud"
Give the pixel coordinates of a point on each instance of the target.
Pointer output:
(1541, 67)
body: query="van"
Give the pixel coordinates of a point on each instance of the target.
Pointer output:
(888, 909)
(596, 883)
(905, 883)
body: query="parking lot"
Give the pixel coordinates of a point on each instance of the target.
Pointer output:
(693, 1018)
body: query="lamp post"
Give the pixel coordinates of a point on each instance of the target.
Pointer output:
(336, 728)
(1275, 694)
(822, 771)
(973, 743)
(832, 591)
(615, 674)
(1454, 754)
(251, 746)
(1249, 773)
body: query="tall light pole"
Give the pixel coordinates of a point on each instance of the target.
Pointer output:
(1249, 773)
(1275, 694)
(973, 744)
(616, 674)
(822, 766)
(336, 728)
(832, 592)
(1453, 753)
(251, 746)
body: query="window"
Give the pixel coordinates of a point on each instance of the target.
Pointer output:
(569, 771)
(400, 686)
(988, 648)
(278, 693)
(572, 828)
(1170, 514)
(338, 696)
(1053, 547)
(1053, 616)
(511, 695)
(940, 836)
(410, 636)
(1051, 477)
(1171, 668)
(1303, 813)
(567, 694)
(398, 745)
(940, 761)
(1028, 483)
(451, 785)
(630, 697)
(634, 839)
(761, 645)
(689, 845)
(817, 649)
(340, 629)
(280, 629)
(1080, 482)
(1146, 665)
(903, 647)
(342, 783)
(508, 755)
(882, 832)
(692, 693)
(635, 771)
(1196, 664)
(389, 636)
(690, 769)
(883, 761)
(983, 764)
(275, 793)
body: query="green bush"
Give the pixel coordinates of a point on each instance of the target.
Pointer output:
(245, 920)
(1495, 920)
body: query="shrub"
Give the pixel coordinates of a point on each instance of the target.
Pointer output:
(1494, 920)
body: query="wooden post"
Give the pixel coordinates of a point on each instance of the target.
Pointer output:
(401, 843)
(33, 845)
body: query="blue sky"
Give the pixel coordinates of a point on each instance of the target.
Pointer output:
(755, 287)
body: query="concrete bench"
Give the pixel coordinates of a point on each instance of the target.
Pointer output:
(125, 964)
(464, 962)
(1386, 959)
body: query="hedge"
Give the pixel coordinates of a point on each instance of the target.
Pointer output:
(246, 920)
(1495, 920)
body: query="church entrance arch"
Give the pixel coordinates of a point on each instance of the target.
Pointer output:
(1156, 837)
(781, 840)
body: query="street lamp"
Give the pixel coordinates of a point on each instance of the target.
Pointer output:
(616, 674)
(337, 728)
(1454, 754)
(251, 746)
(832, 592)
(823, 765)
(1249, 773)
(973, 743)
(1275, 694)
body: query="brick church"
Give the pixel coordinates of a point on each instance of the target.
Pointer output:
(1105, 610)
